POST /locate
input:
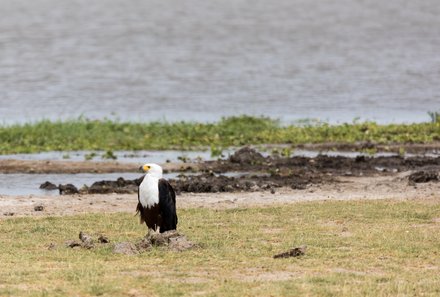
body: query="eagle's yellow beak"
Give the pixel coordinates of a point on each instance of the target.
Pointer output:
(144, 168)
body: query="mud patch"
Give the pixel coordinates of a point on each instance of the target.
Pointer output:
(424, 176)
(268, 173)
(295, 252)
(247, 155)
(120, 186)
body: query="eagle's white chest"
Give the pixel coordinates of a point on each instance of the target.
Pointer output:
(149, 191)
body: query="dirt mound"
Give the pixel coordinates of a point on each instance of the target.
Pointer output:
(247, 155)
(171, 240)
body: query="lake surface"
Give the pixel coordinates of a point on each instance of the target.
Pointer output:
(200, 60)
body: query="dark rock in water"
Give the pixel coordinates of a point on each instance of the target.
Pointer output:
(121, 186)
(247, 155)
(48, 186)
(39, 207)
(68, 189)
(295, 252)
(424, 176)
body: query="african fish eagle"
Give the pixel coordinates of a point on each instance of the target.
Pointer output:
(156, 200)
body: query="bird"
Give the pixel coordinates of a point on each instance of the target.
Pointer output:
(156, 200)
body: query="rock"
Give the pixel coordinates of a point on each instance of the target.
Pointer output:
(87, 240)
(8, 214)
(68, 189)
(295, 252)
(121, 186)
(39, 207)
(103, 239)
(48, 186)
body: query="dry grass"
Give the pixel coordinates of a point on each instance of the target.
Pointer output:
(374, 248)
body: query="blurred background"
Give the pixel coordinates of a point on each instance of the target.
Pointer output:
(194, 60)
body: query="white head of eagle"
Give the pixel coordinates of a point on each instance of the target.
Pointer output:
(156, 200)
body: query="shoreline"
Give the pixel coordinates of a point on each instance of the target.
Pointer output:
(345, 188)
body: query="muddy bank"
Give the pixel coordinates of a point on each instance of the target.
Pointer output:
(48, 167)
(255, 172)
(65, 166)
(412, 148)
(246, 159)
(395, 187)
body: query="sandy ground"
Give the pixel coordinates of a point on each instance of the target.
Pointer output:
(346, 188)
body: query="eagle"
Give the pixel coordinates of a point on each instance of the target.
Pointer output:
(156, 200)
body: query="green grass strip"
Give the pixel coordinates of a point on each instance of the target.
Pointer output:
(83, 134)
(355, 248)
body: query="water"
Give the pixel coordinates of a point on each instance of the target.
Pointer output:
(29, 184)
(200, 60)
(161, 157)
(140, 157)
